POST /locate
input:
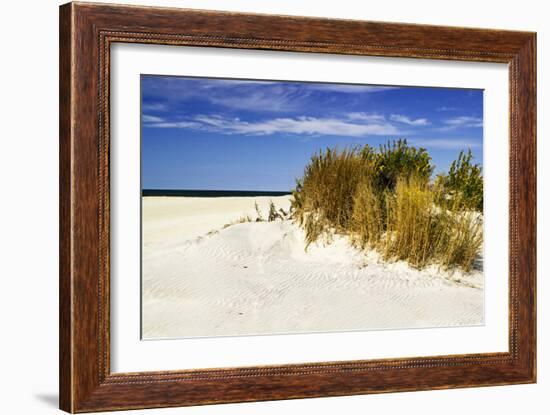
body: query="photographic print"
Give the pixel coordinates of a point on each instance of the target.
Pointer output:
(281, 207)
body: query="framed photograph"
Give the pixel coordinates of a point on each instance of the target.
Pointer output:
(259, 207)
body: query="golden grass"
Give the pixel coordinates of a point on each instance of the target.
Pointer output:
(324, 199)
(340, 192)
(367, 220)
(422, 233)
(414, 225)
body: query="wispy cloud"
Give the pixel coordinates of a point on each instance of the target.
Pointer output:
(176, 124)
(446, 143)
(363, 116)
(302, 125)
(154, 106)
(350, 89)
(215, 83)
(151, 118)
(275, 100)
(444, 108)
(409, 121)
(462, 122)
(250, 95)
(261, 96)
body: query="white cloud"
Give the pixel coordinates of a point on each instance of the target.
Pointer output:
(350, 88)
(298, 125)
(409, 121)
(271, 96)
(232, 82)
(362, 116)
(154, 106)
(462, 122)
(176, 124)
(445, 143)
(274, 96)
(151, 118)
(279, 101)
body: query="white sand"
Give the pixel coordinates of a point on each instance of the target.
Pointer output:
(256, 278)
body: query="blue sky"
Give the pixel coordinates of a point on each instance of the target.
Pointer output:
(222, 134)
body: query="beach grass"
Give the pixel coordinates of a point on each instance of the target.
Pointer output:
(272, 215)
(384, 200)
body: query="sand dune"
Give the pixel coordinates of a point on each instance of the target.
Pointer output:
(256, 278)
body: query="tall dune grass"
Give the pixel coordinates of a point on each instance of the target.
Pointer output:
(421, 233)
(368, 216)
(383, 200)
(324, 198)
(414, 225)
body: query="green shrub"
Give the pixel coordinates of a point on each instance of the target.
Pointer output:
(324, 196)
(397, 159)
(463, 182)
(384, 200)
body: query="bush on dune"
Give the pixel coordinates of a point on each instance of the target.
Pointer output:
(463, 183)
(384, 201)
(399, 160)
(324, 197)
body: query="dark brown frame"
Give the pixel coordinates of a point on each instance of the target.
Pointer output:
(86, 33)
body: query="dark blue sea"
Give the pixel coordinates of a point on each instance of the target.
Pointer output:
(210, 193)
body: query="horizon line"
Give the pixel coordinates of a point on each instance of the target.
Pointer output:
(212, 192)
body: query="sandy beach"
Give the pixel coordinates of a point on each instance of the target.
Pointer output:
(203, 278)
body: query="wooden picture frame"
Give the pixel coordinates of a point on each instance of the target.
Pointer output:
(86, 33)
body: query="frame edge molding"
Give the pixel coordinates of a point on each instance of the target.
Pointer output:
(86, 31)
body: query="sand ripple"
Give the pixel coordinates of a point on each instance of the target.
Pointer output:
(256, 278)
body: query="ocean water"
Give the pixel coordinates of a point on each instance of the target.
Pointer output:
(211, 193)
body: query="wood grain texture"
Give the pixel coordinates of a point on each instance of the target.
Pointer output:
(65, 245)
(86, 33)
